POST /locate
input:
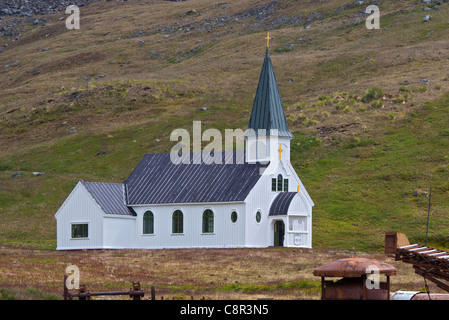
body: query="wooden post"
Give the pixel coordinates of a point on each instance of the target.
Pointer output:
(153, 293)
(388, 287)
(364, 286)
(83, 290)
(66, 291)
(322, 288)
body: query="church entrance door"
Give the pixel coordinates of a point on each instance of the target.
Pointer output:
(279, 232)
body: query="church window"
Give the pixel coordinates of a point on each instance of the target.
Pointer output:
(280, 182)
(273, 184)
(177, 222)
(234, 216)
(285, 185)
(148, 223)
(80, 231)
(208, 221)
(258, 216)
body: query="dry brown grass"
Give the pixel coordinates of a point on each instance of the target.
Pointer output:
(227, 68)
(210, 273)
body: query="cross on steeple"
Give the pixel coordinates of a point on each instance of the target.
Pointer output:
(280, 152)
(268, 39)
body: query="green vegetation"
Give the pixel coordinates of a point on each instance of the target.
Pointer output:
(374, 177)
(366, 145)
(373, 93)
(26, 294)
(376, 184)
(377, 104)
(303, 285)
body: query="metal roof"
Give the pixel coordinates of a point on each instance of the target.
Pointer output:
(280, 204)
(353, 267)
(268, 112)
(157, 180)
(109, 196)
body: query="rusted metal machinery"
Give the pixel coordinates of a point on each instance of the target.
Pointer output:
(394, 240)
(417, 295)
(353, 283)
(135, 292)
(430, 263)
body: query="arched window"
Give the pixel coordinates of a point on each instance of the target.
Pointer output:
(208, 221)
(177, 222)
(280, 182)
(148, 223)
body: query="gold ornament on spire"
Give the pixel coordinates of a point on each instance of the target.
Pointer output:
(268, 39)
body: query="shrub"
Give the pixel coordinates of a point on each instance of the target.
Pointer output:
(398, 100)
(301, 117)
(391, 116)
(419, 89)
(300, 105)
(309, 122)
(373, 93)
(323, 97)
(347, 109)
(376, 104)
(291, 118)
(341, 105)
(406, 95)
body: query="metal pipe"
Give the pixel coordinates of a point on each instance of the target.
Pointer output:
(417, 295)
(428, 215)
(112, 293)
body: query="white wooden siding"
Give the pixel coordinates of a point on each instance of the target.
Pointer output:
(258, 234)
(260, 198)
(118, 231)
(298, 231)
(79, 207)
(226, 233)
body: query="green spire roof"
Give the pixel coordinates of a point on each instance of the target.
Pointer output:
(268, 112)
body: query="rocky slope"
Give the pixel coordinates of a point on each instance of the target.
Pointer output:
(28, 8)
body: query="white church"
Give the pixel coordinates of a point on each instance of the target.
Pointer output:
(258, 202)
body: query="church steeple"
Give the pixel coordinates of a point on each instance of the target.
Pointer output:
(268, 137)
(268, 112)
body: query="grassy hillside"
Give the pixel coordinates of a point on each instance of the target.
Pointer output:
(369, 108)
